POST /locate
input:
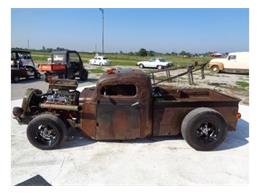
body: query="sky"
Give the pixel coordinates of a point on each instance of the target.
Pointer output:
(162, 30)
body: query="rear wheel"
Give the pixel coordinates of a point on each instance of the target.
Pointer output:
(215, 69)
(159, 67)
(46, 132)
(37, 75)
(141, 65)
(16, 79)
(204, 129)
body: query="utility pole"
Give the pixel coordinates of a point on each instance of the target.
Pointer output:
(102, 12)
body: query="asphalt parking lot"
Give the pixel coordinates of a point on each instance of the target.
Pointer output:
(158, 161)
(18, 89)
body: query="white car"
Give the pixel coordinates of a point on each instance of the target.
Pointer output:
(158, 63)
(234, 62)
(100, 60)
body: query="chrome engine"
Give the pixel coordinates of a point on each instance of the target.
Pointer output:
(68, 97)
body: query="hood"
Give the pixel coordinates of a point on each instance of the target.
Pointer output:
(89, 93)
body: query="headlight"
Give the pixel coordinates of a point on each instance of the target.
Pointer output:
(17, 111)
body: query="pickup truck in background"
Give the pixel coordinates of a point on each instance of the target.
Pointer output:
(234, 62)
(125, 105)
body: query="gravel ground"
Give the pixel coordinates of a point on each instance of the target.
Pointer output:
(222, 82)
(18, 89)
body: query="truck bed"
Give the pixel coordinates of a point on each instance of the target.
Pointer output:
(170, 108)
(192, 95)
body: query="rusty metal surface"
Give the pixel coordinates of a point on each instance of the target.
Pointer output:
(87, 101)
(113, 117)
(63, 84)
(170, 110)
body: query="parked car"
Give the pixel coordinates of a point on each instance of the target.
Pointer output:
(100, 60)
(124, 105)
(22, 66)
(158, 63)
(64, 64)
(234, 62)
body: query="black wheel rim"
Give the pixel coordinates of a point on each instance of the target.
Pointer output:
(207, 133)
(46, 135)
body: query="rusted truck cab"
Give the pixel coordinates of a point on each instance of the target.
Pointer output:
(124, 105)
(119, 107)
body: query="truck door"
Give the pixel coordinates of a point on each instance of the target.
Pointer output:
(118, 112)
(74, 63)
(232, 62)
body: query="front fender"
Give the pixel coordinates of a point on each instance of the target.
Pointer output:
(31, 100)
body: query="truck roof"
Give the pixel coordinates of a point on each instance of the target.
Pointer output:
(127, 75)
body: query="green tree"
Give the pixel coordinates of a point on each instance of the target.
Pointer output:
(151, 53)
(142, 52)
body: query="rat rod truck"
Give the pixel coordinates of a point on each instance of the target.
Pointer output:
(124, 105)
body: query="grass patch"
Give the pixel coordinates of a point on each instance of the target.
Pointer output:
(126, 59)
(243, 84)
(97, 70)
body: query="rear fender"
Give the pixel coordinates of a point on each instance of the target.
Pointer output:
(219, 64)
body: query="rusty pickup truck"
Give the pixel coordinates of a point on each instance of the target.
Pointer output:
(125, 105)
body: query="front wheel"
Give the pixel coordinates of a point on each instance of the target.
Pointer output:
(83, 75)
(204, 129)
(159, 67)
(141, 66)
(46, 132)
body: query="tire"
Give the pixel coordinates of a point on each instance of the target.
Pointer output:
(46, 140)
(159, 67)
(141, 65)
(215, 69)
(204, 129)
(16, 79)
(37, 75)
(83, 75)
(100, 64)
(46, 77)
